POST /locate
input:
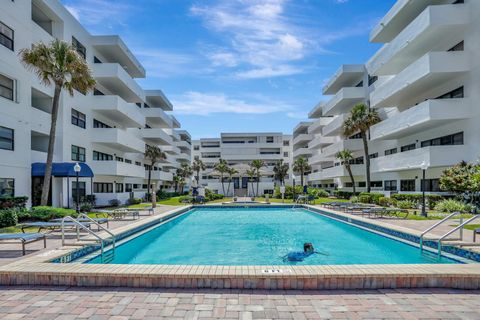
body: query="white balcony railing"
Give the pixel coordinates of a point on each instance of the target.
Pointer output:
(118, 110)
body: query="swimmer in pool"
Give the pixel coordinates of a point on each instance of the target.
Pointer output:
(308, 250)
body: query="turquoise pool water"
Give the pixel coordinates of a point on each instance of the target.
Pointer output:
(262, 236)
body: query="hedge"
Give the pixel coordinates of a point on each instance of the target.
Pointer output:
(13, 202)
(343, 194)
(431, 199)
(8, 217)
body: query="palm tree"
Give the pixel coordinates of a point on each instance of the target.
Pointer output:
(361, 119)
(345, 156)
(280, 170)
(251, 174)
(231, 171)
(198, 166)
(177, 181)
(59, 64)
(301, 166)
(222, 168)
(184, 172)
(257, 164)
(153, 154)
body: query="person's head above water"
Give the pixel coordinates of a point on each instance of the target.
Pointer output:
(308, 247)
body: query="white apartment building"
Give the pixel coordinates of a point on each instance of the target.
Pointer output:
(239, 150)
(107, 130)
(424, 82)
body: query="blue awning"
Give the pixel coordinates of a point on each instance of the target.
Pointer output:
(62, 169)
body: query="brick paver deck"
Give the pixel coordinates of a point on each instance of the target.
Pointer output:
(97, 303)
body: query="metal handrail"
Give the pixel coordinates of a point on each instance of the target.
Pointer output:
(460, 226)
(83, 215)
(434, 226)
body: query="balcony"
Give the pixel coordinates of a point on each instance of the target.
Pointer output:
(305, 152)
(426, 115)
(156, 98)
(335, 127)
(39, 34)
(115, 79)
(116, 109)
(400, 15)
(156, 136)
(316, 127)
(320, 142)
(250, 157)
(435, 156)
(349, 75)
(184, 146)
(157, 118)
(302, 127)
(171, 150)
(425, 74)
(320, 158)
(115, 50)
(341, 171)
(117, 139)
(317, 111)
(344, 100)
(302, 139)
(160, 175)
(117, 168)
(436, 27)
(350, 144)
(40, 121)
(182, 157)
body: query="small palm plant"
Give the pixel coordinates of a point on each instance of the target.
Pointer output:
(198, 166)
(361, 119)
(177, 180)
(345, 157)
(231, 172)
(153, 154)
(222, 168)
(257, 164)
(251, 175)
(59, 64)
(280, 169)
(184, 172)
(301, 166)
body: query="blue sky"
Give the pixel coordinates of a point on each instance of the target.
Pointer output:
(238, 65)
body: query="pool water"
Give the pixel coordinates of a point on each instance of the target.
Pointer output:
(262, 236)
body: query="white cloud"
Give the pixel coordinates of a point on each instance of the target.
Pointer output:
(162, 63)
(297, 115)
(209, 103)
(96, 12)
(268, 72)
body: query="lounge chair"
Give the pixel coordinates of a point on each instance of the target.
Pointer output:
(24, 238)
(374, 211)
(475, 232)
(84, 220)
(121, 213)
(51, 225)
(150, 210)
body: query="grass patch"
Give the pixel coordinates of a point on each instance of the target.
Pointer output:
(17, 229)
(469, 226)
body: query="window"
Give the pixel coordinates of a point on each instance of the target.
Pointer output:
(128, 187)
(78, 118)
(102, 187)
(390, 185)
(390, 151)
(358, 160)
(6, 36)
(359, 85)
(97, 92)
(286, 143)
(457, 93)
(96, 60)
(6, 138)
(376, 184)
(7, 187)
(356, 136)
(81, 50)
(128, 161)
(373, 155)
(407, 185)
(408, 147)
(81, 190)
(372, 80)
(138, 104)
(269, 139)
(348, 185)
(431, 185)
(285, 154)
(7, 87)
(100, 156)
(138, 163)
(458, 47)
(78, 153)
(99, 124)
(453, 139)
(119, 159)
(362, 184)
(119, 187)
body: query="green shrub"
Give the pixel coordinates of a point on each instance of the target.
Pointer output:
(132, 201)
(163, 195)
(46, 213)
(288, 192)
(431, 199)
(8, 218)
(114, 202)
(24, 215)
(364, 199)
(384, 202)
(185, 199)
(86, 207)
(406, 204)
(343, 194)
(450, 205)
(210, 196)
(354, 199)
(374, 197)
(13, 202)
(318, 193)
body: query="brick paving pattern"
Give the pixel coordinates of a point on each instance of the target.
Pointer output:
(118, 304)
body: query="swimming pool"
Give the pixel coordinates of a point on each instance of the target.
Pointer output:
(262, 236)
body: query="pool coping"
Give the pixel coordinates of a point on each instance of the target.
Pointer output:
(39, 270)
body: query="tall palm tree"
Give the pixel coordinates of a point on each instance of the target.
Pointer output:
(361, 119)
(222, 168)
(153, 154)
(59, 64)
(280, 169)
(231, 171)
(345, 156)
(177, 180)
(251, 174)
(198, 166)
(257, 164)
(301, 166)
(184, 172)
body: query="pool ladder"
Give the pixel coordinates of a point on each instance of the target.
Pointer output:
(105, 257)
(454, 241)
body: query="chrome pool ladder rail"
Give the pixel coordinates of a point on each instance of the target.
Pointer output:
(460, 226)
(103, 241)
(434, 226)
